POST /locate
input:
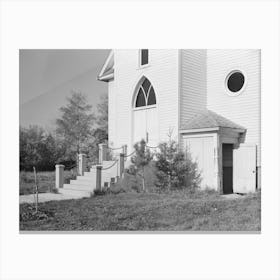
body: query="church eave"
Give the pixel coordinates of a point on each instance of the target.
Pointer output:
(106, 78)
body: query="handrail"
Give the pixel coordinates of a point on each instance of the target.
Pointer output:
(152, 147)
(111, 165)
(113, 149)
(130, 154)
(71, 167)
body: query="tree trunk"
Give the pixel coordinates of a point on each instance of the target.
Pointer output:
(143, 180)
(77, 156)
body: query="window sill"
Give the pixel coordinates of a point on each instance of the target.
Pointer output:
(143, 66)
(145, 107)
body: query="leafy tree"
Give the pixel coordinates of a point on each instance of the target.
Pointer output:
(30, 146)
(100, 133)
(38, 148)
(102, 114)
(140, 161)
(75, 126)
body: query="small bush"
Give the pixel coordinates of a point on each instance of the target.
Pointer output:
(140, 162)
(99, 192)
(70, 175)
(175, 169)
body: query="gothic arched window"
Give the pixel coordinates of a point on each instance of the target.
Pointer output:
(146, 94)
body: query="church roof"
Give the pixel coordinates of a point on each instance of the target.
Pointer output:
(209, 119)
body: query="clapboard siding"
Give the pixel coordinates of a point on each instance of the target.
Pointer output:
(162, 71)
(243, 109)
(193, 83)
(111, 113)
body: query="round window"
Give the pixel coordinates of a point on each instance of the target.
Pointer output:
(235, 81)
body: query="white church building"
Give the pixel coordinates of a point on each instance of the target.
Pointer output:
(208, 99)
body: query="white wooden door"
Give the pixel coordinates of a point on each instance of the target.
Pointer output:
(244, 168)
(139, 126)
(202, 152)
(145, 126)
(152, 127)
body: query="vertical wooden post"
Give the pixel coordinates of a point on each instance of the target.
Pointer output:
(36, 189)
(98, 177)
(112, 182)
(59, 176)
(121, 165)
(102, 152)
(124, 150)
(259, 186)
(82, 164)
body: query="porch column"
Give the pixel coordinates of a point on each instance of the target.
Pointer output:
(98, 177)
(121, 165)
(124, 151)
(59, 176)
(82, 164)
(102, 152)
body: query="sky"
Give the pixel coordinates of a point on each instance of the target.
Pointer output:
(47, 77)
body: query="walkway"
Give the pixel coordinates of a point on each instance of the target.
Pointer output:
(43, 197)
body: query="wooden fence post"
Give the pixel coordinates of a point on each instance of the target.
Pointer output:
(82, 164)
(98, 177)
(59, 176)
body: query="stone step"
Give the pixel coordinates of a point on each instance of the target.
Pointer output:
(75, 193)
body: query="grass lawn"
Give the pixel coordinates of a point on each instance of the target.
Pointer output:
(176, 211)
(46, 181)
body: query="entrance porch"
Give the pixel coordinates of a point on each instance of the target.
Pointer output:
(225, 161)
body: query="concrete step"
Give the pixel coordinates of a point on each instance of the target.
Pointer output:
(78, 187)
(75, 193)
(85, 178)
(83, 182)
(89, 174)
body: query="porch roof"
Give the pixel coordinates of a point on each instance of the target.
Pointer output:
(209, 119)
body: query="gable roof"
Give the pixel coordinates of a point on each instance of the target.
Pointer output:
(210, 119)
(107, 72)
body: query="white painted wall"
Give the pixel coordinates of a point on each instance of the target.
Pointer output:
(162, 71)
(193, 83)
(199, 76)
(244, 109)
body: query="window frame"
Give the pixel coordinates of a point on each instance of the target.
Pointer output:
(229, 73)
(146, 97)
(140, 66)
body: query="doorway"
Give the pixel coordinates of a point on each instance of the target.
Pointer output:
(145, 115)
(227, 168)
(145, 125)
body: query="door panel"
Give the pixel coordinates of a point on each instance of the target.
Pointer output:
(152, 126)
(139, 126)
(202, 152)
(244, 169)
